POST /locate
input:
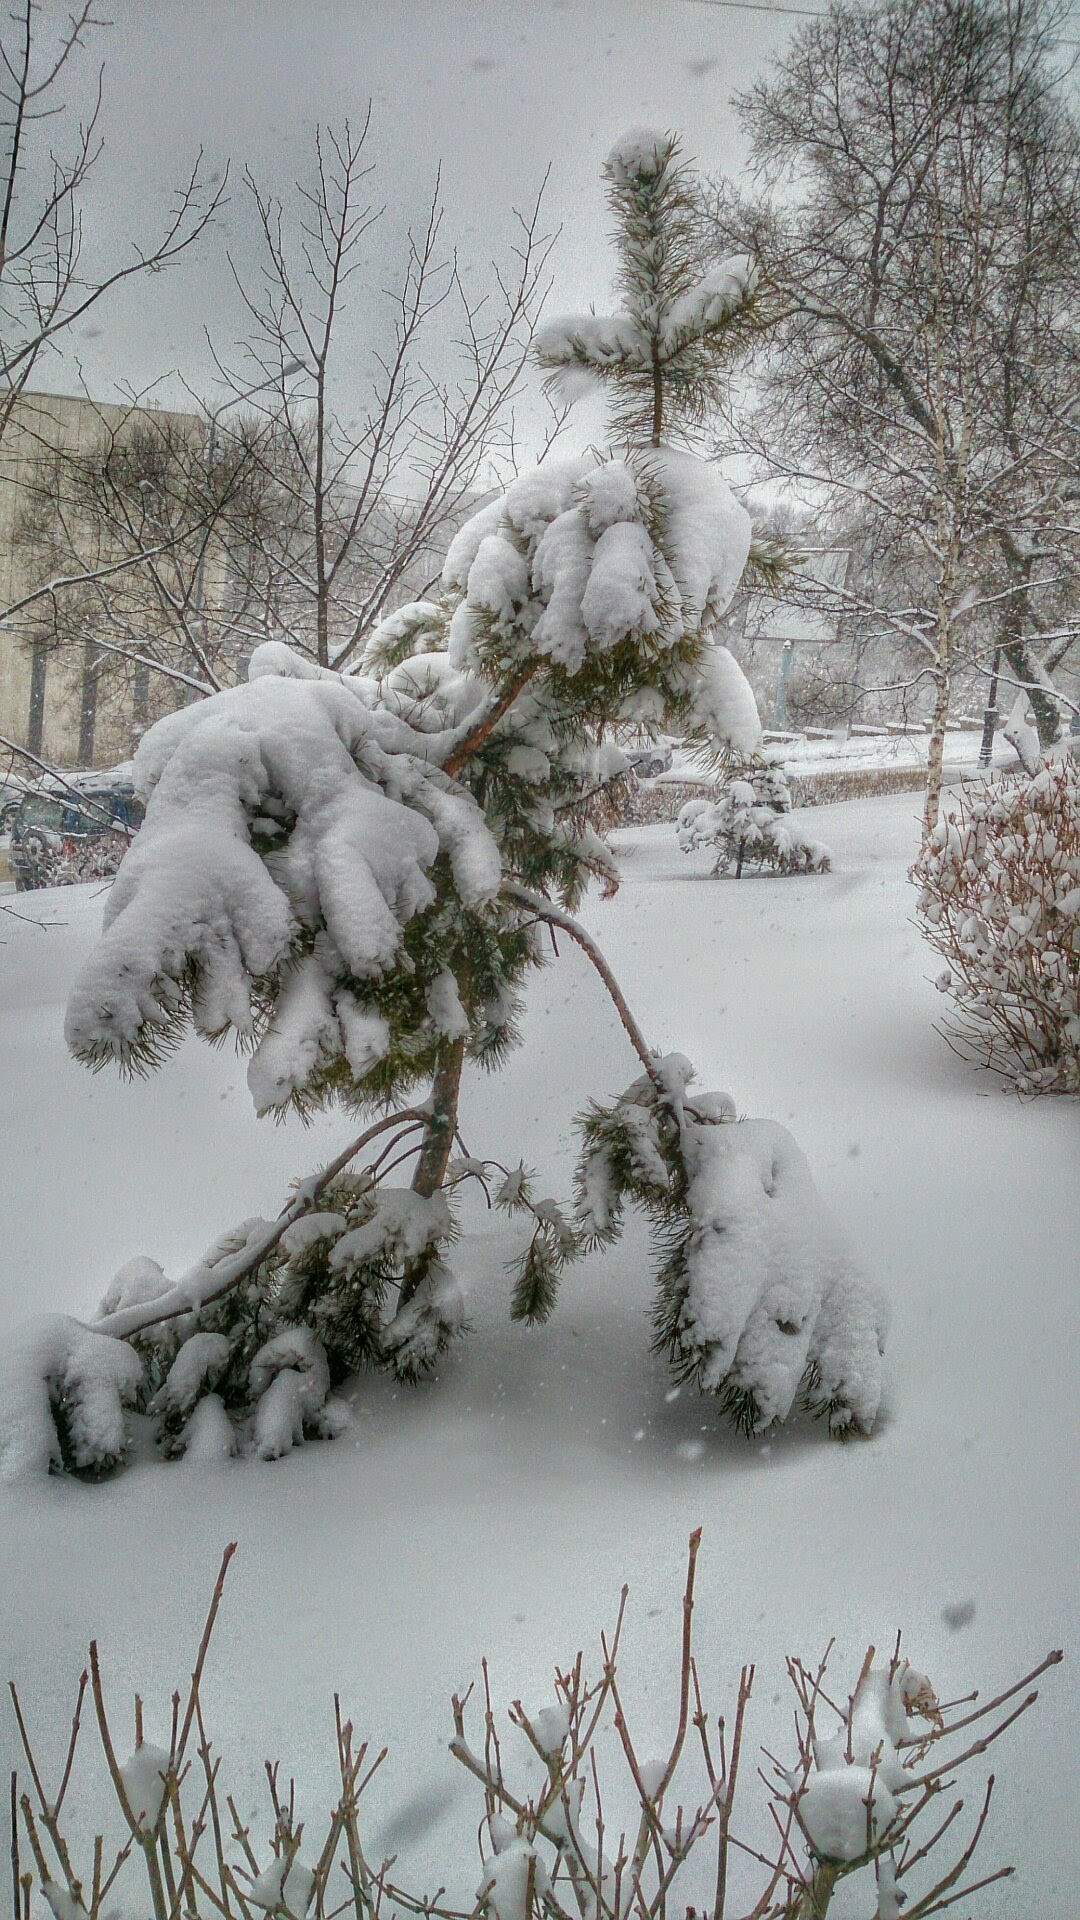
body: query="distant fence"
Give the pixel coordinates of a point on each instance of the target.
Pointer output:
(656, 802)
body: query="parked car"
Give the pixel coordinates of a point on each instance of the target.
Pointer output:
(12, 789)
(62, 834)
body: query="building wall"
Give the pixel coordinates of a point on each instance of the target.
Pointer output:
(41, 698)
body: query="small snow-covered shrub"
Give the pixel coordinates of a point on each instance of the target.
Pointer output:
(859, 1797)
(999, 897)
(750, 825)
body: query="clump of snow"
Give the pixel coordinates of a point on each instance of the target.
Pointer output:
(534, 500)
(291, 1379)
(610, 495)
(428, 1322)
(771, 1289)
(707, 534)
(367, 821)
(55, 1370)
(551, 1727)
(284, 1887)
(428, 692)
(200, 1360)
(560, 570)
(595, 339)
(145, 1777)
(1022, 734)
(589, 554)
(209, 1436)
(641, 153)
(403, 1225)
(137, 1280)
(717, 295)
(845, 1812)
(760, 1300)
(448, 1015)
(465, 544)
(412, 629)
(853, 1795)
(722, 704)
(515, 1878)
(621, 598)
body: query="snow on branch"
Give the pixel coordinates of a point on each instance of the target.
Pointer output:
(759, 1301)
(286, 836)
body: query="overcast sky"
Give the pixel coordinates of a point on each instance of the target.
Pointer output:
(494, 90)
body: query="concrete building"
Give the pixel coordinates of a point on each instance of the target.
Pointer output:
(65, 693)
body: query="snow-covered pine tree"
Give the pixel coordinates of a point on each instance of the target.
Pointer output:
(749, 824)
(354, 875)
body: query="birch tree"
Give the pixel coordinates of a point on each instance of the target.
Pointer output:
(921, 177)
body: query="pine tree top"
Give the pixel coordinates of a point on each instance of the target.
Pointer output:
(665, 353)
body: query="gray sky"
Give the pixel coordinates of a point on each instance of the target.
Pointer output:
(495, 90)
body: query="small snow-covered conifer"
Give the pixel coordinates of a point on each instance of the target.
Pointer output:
(353, 874)
(750, 824)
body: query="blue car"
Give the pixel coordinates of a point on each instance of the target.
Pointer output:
(64, 834)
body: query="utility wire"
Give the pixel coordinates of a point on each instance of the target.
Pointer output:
(759, 6)
(801, 13)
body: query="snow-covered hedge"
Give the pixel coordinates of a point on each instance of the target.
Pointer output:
(999, 897)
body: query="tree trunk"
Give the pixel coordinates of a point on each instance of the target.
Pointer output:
(657, 395)
(442, 1124)
(439, 1133)
(814, 1901)
(1043, 704)
(936, 755)
(991, 715)
(1017, 617)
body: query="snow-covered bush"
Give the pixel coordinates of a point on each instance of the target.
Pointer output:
(353, 875)
(999, 898)
(750, 824)
(758, 1300)
(859, 1798)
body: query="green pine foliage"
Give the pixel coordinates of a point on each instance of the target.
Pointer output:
(489, 709)
(664, 357)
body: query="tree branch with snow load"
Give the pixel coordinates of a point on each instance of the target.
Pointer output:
(354, 875)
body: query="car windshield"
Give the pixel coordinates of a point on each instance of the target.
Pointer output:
(39, 811)
(100, 808)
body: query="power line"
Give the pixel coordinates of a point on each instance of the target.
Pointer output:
(759, 6)
(801, 13)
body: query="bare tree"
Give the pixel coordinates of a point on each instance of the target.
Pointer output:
(133, 531)
(365, 502)
(923, 268)
(50, 281)
(47, 284)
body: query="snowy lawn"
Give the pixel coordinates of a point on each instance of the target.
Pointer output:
(500, 1508)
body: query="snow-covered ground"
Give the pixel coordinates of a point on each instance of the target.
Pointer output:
(500, 1508)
